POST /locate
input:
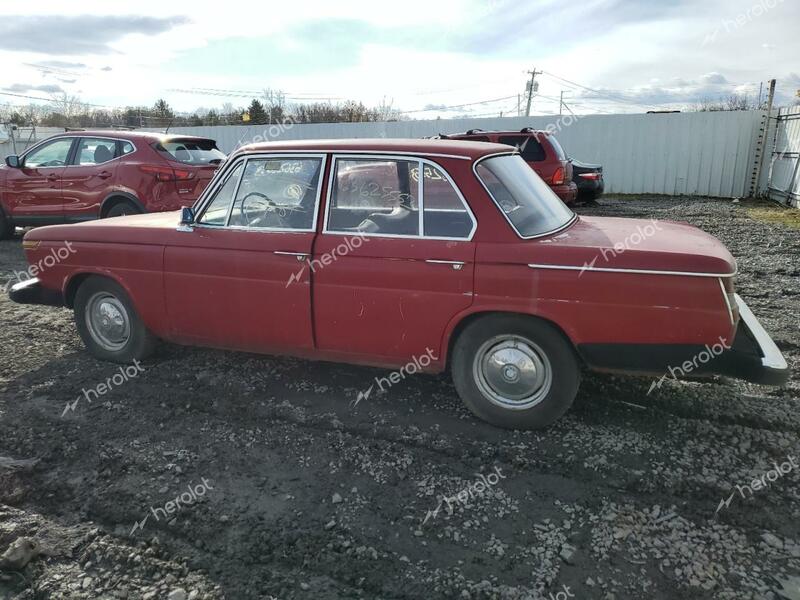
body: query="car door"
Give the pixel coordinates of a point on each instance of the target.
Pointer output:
(89, 177)
(239, 278)
(33, 191)
(395, 262)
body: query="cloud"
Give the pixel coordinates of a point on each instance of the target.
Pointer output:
(77, 35)
(47, 88)
(717, 78)
(59, 64)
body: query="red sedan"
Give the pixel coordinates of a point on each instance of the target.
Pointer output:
(339, 250)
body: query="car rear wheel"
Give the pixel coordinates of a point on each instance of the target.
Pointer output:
(108, 323)
(515, 372)
(6, 226)
(121, 209)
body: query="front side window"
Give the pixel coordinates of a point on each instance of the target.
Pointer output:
(374, 196)
(93, 151)
(217, 211)
(527, 202)
(278, 193)
(53, 154)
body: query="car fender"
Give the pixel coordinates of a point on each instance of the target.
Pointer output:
(122, 194)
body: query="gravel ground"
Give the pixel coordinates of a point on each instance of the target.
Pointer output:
(297, 494)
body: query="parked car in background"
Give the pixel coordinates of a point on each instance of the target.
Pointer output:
(473, 262)
(540, 149)
(85, 175)
(589, 180)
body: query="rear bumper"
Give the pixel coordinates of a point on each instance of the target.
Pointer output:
(752, 356)
(32, 292)
(568, 192)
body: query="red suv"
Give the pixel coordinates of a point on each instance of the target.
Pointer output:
(540, 149)
(79, 176)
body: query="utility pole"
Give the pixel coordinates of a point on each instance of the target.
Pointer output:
(531, 88)
(762, 141)
(560, 102)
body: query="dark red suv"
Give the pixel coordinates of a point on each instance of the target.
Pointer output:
(540, 149)
(84, 175)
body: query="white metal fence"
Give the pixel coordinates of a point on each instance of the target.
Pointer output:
(707, 154)
(784, 167)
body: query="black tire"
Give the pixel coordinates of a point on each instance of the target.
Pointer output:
(138, 344)
(6, 226)
(123, 208)
(550, 396)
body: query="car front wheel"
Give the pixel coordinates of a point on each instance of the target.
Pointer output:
(121, 209)
(108, 323)
(515, 372)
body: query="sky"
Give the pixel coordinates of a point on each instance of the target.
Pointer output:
(426, 58)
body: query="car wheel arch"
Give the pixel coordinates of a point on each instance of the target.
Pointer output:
(75, 281)
(459, 324)
(115, 198)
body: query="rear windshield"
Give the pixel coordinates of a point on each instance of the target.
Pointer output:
(191, 151)
(557, 147)
(528, 146)
(527, 202)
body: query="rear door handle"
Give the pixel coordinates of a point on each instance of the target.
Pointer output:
(52, 177)
(300, 256)
(457, 265)
(104, 174)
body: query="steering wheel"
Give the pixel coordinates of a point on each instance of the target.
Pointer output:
(255, 210)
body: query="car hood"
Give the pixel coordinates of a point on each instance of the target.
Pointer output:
(146, 228)
(616, 243)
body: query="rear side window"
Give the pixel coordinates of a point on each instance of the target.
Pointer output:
(444, 212)
(529, 147)
(191, 151)
(126, 148)
(93, 151)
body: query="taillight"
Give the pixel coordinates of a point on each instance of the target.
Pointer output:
(558, 176)
(167, 173)
(590, 176)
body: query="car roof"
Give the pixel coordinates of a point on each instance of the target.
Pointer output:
(124, 134)
(482, 133)
(457, 148)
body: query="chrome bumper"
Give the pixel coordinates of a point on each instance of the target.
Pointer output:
(774, 369)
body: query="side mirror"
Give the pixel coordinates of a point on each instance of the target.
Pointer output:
(187, 216)
(13, 161)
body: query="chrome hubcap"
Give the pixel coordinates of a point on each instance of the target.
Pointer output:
(108, 321)
(512, 372)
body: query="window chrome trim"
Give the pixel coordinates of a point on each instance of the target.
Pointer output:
(421, 198)
(74, 136)
(634, 271)
(245, 159)
(243, 151)
(502, 212)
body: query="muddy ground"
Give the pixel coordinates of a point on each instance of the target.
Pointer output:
(297, 494)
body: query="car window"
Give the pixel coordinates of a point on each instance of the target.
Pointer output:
(217, 211)
(53, 154)
(191, 151)
(375, 196)
(278, 193)
(92, 151)
(529, 147)
(445, 214)
(127, 148)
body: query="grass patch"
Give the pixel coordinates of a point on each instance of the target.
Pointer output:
(790, 217)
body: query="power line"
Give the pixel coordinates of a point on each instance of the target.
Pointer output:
(621, 99)
(439, 108)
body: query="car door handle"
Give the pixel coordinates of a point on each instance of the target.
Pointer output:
(104, 174)
(52, 177)
(456, 264)
(300, 256)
